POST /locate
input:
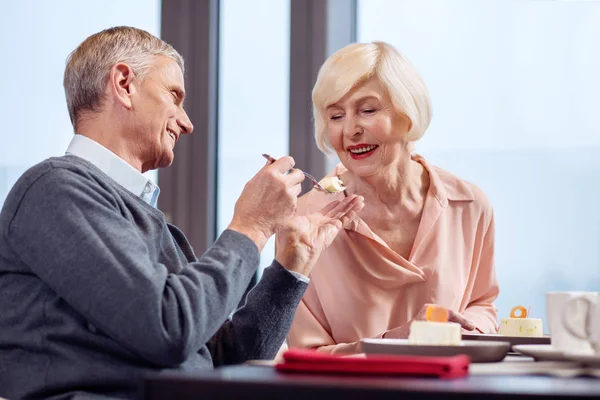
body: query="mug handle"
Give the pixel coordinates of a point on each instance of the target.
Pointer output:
(567, 319)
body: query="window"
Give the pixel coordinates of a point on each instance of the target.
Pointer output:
(253, 97)
(37, 38)
(515, 92)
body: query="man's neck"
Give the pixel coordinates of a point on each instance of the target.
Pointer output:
(103, 131)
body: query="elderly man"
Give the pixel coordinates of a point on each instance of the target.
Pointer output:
(96, 288)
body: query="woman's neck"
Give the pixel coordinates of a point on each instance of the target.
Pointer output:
(400, 184)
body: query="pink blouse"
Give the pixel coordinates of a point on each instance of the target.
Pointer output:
(361, 288)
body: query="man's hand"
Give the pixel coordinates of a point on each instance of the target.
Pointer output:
(403, 331)
(301, 239)
(267, 200)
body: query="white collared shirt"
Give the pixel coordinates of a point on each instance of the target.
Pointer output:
(115, 167)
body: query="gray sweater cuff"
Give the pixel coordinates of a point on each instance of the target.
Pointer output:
(249, 248)
(231, 239)
(298, 276)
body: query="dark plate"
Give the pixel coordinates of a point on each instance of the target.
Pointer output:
(479, 351)
(513, 340)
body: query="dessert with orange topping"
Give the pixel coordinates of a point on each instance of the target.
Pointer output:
(435, 330)
(520, 324)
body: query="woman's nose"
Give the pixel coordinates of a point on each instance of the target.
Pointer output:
(351, 128)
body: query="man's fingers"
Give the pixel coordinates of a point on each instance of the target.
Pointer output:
(284, 164)
(295, 177)
(296, 190)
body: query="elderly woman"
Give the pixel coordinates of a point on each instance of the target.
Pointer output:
(424, 235)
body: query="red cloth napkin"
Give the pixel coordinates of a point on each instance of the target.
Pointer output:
(301, 360)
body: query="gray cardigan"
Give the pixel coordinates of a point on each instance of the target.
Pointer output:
(96, 289)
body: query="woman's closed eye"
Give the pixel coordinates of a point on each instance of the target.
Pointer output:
(336, 117)
(369, 111)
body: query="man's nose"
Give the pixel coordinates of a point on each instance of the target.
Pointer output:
(184, 123)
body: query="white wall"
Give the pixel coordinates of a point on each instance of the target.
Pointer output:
(37, 36)
(515, 87)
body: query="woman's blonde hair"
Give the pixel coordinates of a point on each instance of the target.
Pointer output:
(88, 66)
(355, 64)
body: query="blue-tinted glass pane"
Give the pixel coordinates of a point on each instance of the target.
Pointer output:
(253, 96)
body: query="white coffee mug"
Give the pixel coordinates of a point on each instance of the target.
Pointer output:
(586, 328)
(561, 338)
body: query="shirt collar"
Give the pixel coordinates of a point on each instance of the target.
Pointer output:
(115, 167)
(445, 186)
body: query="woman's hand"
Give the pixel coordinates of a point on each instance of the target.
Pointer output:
(403, 331)
(300, 240)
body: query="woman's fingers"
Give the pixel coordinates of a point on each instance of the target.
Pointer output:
(452, 317)
(351, 203)
(325, 210)
(456, 317)
(349, 217)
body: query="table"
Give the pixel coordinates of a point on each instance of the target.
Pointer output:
(260, 382)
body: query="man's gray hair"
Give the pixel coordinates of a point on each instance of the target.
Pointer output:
(88, 66)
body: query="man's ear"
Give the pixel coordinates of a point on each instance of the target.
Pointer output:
(121, 79)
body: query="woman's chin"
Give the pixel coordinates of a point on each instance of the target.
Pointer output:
(364, 167)
(365, 170)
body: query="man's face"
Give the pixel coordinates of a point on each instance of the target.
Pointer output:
(158, 115)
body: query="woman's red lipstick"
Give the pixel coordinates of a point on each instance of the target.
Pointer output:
(360, 156)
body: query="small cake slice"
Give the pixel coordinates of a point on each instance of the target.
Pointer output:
(332, 184)
(520, 325)
(436, 330)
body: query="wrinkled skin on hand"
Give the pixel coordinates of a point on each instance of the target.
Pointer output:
(301, 239)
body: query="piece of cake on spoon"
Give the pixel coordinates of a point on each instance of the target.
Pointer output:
(332, 184)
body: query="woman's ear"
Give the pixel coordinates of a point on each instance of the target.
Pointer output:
(404, 120)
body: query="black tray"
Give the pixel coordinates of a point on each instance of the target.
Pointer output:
(513, 340)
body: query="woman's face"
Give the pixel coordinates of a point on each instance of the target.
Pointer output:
(365, 131)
